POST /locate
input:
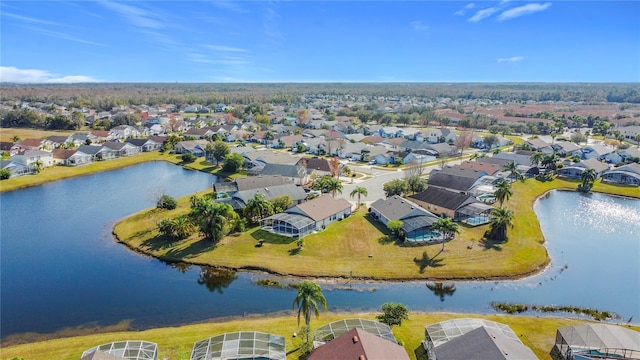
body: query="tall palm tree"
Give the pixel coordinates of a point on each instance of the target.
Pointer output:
(536, 158)
(258, 208)
(503, 191)
(309, 299)
(446, 227)
(500, 219)
(333, 185)
(359, 191)
(512, 168)
(588, 177)
(550, 162)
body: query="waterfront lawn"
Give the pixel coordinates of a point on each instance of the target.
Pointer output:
(356, 246)
(362, 248)
(176, 343)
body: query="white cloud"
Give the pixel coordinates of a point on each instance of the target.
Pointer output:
(483, 14)
(15, 75)
(225, 48)
(523, 10)
(30, 19)
(60, 35)
(464, 9)
(419, 26)
(271, 26)
(135, 16)
(511, 59)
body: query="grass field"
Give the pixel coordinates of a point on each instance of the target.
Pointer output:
(6, 134)
(371, 253)
(175, 343)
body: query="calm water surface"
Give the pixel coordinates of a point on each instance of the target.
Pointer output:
(61, 267)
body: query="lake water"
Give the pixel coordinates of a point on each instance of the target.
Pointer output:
(61, 267)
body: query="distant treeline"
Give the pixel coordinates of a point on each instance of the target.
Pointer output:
(104, 96)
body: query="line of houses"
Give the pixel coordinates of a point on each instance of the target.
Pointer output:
(363, 339)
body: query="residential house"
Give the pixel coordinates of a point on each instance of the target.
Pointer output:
(55, 141)
(624, 175)
(353, 151)
(487, 168)
(567, 148)
(318, 167)
(629, 154)
(289, 141)
(239, 199)
(16, 169)
(30, 158)
(411, 134)
(71, 157)
(27, 144)
(457, 206)
(417, 158)
(574, 171)
(416, 221)
(540, 145)
(596, 341)
(295, 173)
(595, 151)
(149, 144)
(442, 135)
(474, 339)
(122, 149)
(460, 180)
(630, 132)
(78, 139)
(196, 147)
(99, 136)
(310, 216)
(249, 182)
(359, 344)
(266, 156)
(5, 146)
(442, 149)
(370, 153)
(477, 141)
(389, 132)
(200, 133)
(124, 132)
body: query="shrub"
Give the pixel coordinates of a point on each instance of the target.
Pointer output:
(4, 174)
(188, 157)
(166, 202)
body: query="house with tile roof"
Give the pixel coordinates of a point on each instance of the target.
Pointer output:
(308, 217)
(359, 344)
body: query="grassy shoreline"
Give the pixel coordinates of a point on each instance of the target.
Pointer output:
(176, 342)
(373, 255)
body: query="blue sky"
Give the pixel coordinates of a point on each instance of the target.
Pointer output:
(320, 41)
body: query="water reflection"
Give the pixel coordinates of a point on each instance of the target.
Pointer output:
(442, 290)
(216, 279)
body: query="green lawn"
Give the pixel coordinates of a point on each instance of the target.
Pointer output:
(360, 247)
(175, 343)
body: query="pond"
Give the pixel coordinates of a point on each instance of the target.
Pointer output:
(61, 267)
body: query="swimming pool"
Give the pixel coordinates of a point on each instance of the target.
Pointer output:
(477, 220)
(431, 236)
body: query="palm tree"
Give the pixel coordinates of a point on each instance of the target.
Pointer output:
(512, 168)
(329, 183)
(503, 191)
(258, 208)
(637, 139)
(38, 166)
(213, 218)
(588, 177)
(536, 158)
(550, 162)
(446, 227)
(309, 299)
(359, 191)
(500, 219)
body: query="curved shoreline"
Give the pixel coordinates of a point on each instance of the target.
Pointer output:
(540, 268)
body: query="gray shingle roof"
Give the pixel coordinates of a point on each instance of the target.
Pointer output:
(397, 208)
(452, 182)
(443, 198)
(291, 171)
(296, 192)
(483, 343)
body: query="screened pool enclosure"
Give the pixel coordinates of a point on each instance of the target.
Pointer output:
(240, 345)
(129, 349)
